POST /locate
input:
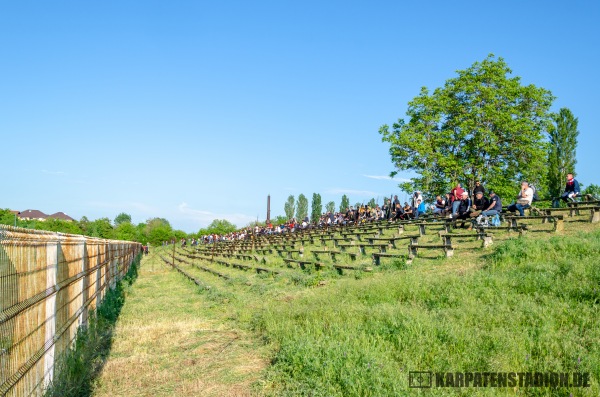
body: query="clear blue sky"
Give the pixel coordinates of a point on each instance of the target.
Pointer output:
(195, 110)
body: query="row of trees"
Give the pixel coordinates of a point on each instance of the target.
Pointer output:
(299, 208)
(154, 230)
(484, 125)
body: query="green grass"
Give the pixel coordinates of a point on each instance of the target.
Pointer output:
(533, 306)
(526, 304)
(76, 370)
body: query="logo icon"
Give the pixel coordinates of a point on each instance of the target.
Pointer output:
(419, 379)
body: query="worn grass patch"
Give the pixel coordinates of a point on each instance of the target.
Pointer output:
(170, 341)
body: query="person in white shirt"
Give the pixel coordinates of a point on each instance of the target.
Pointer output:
(523, 200)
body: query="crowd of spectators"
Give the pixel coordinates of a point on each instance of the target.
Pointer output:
(458, 204)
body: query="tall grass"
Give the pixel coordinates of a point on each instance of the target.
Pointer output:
(76, 370)
(533, 306)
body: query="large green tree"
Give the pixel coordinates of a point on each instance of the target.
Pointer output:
(344, 204)
(481, 125)
(316, 208)
(289, 207)
(561, 152)
(301, 208)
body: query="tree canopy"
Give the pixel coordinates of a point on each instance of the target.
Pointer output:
(122, 217)
(218, 226)
(481, 125)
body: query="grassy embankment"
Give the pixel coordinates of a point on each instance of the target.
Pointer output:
(529, 304)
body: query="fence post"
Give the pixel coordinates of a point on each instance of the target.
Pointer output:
(50, 327)
(85, 283)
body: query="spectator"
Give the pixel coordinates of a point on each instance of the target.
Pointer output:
(396, 201)
(494, 207)
(480, 203)
(571, 189)
(421, 209)
(524, 199)
(386, 209)
(478, 188)
(398, 213)
(440, 205)
(416, 198)
(456, 198)
(448, 207)
(408, 211)
(464, 205)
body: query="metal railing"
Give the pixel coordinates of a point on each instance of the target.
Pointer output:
(48, 283)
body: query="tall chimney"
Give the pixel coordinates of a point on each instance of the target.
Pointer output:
(268, 209)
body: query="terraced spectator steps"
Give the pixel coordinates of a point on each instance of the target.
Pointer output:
(558, 221)
(575, 209)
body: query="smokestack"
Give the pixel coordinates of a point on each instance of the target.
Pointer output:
(268, 209)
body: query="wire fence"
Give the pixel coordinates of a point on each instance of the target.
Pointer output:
(48, 283)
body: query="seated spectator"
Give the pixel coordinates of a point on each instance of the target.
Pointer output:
(494, 207)
(440, 205)
(480, 203)
(448, 207)
(416, 198)
(571, 189)
(523, 200)
(398, 213)
(464, 206)
(408, 211)
(421, 209)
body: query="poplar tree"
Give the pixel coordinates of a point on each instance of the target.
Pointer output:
(289, 207)
(301, 208)
(344, 204)
(316, 208)
(562, 149)
(330, 207)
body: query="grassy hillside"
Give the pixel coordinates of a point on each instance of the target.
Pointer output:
(526, 304)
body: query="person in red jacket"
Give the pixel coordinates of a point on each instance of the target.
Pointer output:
(456, 196)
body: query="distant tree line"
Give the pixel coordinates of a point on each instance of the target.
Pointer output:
(153, 231)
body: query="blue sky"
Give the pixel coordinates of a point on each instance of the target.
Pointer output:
(196, 110)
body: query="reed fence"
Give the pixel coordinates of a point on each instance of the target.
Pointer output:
(49, 282)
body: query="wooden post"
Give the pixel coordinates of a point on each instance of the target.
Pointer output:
(595, 218)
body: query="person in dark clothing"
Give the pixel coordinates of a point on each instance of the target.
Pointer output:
(386, 209)
(408, 211)
(494, 207)
(478, 188)
(480, 203)
(448, 207)
(440, 205)
(571, 189)
(398, 213)
(464, 207)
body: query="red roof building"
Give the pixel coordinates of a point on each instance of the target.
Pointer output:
(32, 214)
(62, 216)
